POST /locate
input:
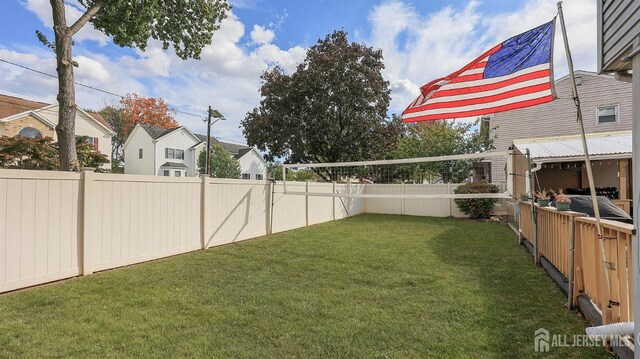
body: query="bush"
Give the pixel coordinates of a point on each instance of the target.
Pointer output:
(476, 208)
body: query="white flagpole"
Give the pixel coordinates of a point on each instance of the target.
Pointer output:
(594, 199)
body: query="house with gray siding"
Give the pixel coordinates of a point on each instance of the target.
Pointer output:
(606, 107)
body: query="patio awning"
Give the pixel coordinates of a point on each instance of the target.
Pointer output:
(602, 145)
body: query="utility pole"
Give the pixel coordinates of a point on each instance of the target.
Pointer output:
(218, 116)
(207, 163)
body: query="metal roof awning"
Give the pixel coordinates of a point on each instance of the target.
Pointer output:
(602, 145)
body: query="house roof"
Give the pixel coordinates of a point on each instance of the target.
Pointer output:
(234, 149)
(174, 165)
(100, 119)
(10, 105)
(156, 132)
(600, 144)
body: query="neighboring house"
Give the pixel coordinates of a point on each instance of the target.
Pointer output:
(252, 165)
(606, 107)
(20, 117)
(151, 150)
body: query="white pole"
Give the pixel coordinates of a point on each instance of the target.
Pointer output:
(592, 188)
(636, 192)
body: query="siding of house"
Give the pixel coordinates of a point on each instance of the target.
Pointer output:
(559, 117)
(12, 127)
(179, 139)
(253, 164)
(138, 139)
(618, 25)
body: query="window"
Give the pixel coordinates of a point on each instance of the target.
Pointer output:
(178, 173)
(246, 176)
(30, 132)
(174, 153)
(607, 114)
(259, 177)
(140, 153)
(166, 173)
(91, 141)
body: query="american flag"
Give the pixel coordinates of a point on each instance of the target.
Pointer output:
(514, 74)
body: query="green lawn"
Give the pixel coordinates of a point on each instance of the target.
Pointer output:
(371, 286)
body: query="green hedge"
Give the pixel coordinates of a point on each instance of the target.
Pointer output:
(476, 208)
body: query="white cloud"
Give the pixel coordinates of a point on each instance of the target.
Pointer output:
(91, 70)
(262, 35)
(418, 48)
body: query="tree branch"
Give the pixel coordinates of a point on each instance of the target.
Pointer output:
(91, 12)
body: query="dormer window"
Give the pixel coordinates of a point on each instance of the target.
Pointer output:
(607, 114)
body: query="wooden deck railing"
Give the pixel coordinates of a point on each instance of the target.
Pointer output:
(526, 227)
(555, 231)
(615, 301)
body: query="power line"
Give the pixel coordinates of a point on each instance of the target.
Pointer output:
(88, 86)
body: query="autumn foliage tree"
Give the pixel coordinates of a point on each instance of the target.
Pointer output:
(153, 111)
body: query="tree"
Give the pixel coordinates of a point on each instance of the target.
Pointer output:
(441, 138)
(121, 127)
(222, 164)
(188, 25)
(153, 111)
(332, 108)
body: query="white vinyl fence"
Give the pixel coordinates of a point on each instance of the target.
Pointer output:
(56, 225)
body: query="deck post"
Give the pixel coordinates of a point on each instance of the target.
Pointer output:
(534, 225)
(572, 247)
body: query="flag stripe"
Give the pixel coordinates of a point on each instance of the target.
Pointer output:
(482, 111)
(530, 96)
(544, 74)
(514, 74)
(477, 94)
(465, 78)
(488, 99)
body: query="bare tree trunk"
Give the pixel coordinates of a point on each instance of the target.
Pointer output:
(65, 129)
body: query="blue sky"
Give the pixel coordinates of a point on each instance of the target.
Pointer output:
(421, 40)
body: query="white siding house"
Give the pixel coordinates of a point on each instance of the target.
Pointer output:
(151, 150)
(252, 165)
(157, 151)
